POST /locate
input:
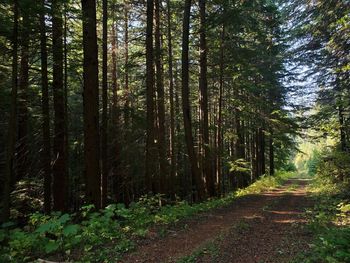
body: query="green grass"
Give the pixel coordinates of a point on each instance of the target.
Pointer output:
(266, 183)
(105, 236)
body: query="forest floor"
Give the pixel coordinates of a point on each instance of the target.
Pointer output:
(261, 228)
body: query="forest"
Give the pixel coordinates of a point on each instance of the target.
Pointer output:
(127, 123)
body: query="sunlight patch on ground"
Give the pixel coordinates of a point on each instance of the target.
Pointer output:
(285, 212)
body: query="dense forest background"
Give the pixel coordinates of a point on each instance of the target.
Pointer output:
(157, 106)
(110, 101)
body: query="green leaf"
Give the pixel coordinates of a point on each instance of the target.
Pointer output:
(64, 218)
(70, 230)
(44, 228)
(51, 246)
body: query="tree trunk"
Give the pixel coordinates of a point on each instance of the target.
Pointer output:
(260, 146)
(12, 126)
(203, 88)
(45, 108)
(186, 108)
(263, 162)
(90, 96)
(71, 187)
(117, 178)
(59, 146)
(126, 65)
(104, 139)
(254, 153)
(178, 143)
(160, 104)
(150, 141)
(23, 149)
(172, 110)
(127, 182)
(114, 75)
(272, 155)
(220, 130)
(262, 151)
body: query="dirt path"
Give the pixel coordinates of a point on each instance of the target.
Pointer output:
(257, 228)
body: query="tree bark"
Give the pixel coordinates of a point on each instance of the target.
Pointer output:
(127, 182)
(114, 75)
(203, 88)
(104, 138)
(220, 130)
(45, 108)
(150, 140)
(172, 109)
(126, 64)
(60, 177)
(91, 105)
(160, 104)
(186, 108)
(260, 146)
(70, 187)
(262, 151)
(117, 180)
(272, 154)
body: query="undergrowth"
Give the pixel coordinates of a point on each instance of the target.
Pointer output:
(329, 219)
(104, 236)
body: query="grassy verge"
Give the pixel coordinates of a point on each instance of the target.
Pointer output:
(105, 236)
(266, 183)
(329, 221)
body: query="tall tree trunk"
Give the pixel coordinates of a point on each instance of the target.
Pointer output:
(272, 154)
(186, 108)
(262, 151)
(23, 149)
(127, 183)
(104, 148)
(220, 130)
(160, 104)
(150, 141)
(91, 114)
(60, 177)
(258, 152)
(260, 146)
(240, 136)
(117, 179)
(254, 153)
(172, 109)
(12, 126)
(66, 123)
(126, 64)
(178, 143)
(114, 75)
(239, 147)
(45, 108)
(203, 88)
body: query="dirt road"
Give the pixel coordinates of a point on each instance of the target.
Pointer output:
(268, 227)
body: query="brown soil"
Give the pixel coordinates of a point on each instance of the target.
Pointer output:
(268, 227)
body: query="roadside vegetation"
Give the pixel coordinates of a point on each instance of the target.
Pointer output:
(105, 236)
(329, 219)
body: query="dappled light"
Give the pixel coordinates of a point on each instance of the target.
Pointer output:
(175, 131)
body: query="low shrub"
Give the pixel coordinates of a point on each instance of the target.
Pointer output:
(100, 236)
(330, 217)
